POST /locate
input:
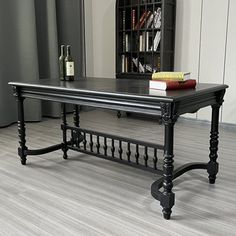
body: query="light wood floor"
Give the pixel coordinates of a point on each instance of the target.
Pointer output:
(85, 195)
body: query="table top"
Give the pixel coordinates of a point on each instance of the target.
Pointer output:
(119, 87)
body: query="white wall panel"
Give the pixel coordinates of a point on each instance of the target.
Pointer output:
(229, 107)
(188, 24)
(88, 5)
(100, 38)
(213, 39)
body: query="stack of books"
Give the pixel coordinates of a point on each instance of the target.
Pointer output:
(171, 81)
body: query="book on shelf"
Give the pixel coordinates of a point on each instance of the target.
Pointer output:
(157, 18)
(127, 44)
(123, 42)
(123, 20)
(147, 41)
(140, 42)
(172, 85)
(142, 23)
(149, 20)
(144, 41)
(133, 17)
(158, 64)
(124, 64)
(138, 65)
(149, 68)
(137, 26)
(156, 41)
(143, 19)
(170, 75)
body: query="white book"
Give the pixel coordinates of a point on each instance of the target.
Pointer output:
(148, 67)
(157, 17)
(138, 65)
(135, 61)
(140, 42)
(158, 23)
(157, 40)
(147, 41)
(123, 63)
(154, 19)
(141, 68)
(150, 20)
(127, 43)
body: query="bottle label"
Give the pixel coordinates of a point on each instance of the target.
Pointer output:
(70, 68)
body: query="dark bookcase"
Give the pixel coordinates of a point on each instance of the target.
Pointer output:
(143, 45)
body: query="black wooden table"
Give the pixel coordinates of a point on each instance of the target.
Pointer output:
(131, 96)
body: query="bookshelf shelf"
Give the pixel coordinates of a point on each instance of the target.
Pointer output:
(143, 52)
(145, 36)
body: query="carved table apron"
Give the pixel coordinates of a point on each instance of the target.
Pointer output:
(132, 96)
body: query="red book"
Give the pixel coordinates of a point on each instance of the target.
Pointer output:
(144, 19)
(172, 85)
(137, 26)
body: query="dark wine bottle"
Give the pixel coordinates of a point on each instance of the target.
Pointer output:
(69, 65)
(62, 63)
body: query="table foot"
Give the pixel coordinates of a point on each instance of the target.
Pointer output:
(212, 181)
(64, 150)
(65, 156)
(212, 169)
(23, 162)
(166, 213)
(167, 202)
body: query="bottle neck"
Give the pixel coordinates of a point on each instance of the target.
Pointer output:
(68, 50)
(62, 50)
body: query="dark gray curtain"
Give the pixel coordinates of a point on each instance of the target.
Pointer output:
(30, 34)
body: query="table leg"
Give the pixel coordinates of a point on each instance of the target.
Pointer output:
(167, 199)
(64, 122)
(213, 165)
(21, 130)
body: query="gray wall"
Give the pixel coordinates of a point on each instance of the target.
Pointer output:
(19, 55)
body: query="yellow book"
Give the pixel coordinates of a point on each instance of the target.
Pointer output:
(166, 75)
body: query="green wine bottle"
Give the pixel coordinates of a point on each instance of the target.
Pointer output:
(69, 65)
(62, 63)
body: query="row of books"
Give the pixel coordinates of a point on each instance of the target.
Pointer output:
(144, 42)
(135, 65)
(147, 19)
(172, 81)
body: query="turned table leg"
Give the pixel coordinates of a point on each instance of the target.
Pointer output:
(167, 197)
(21, 130)
(64, 122)
(213, 165)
